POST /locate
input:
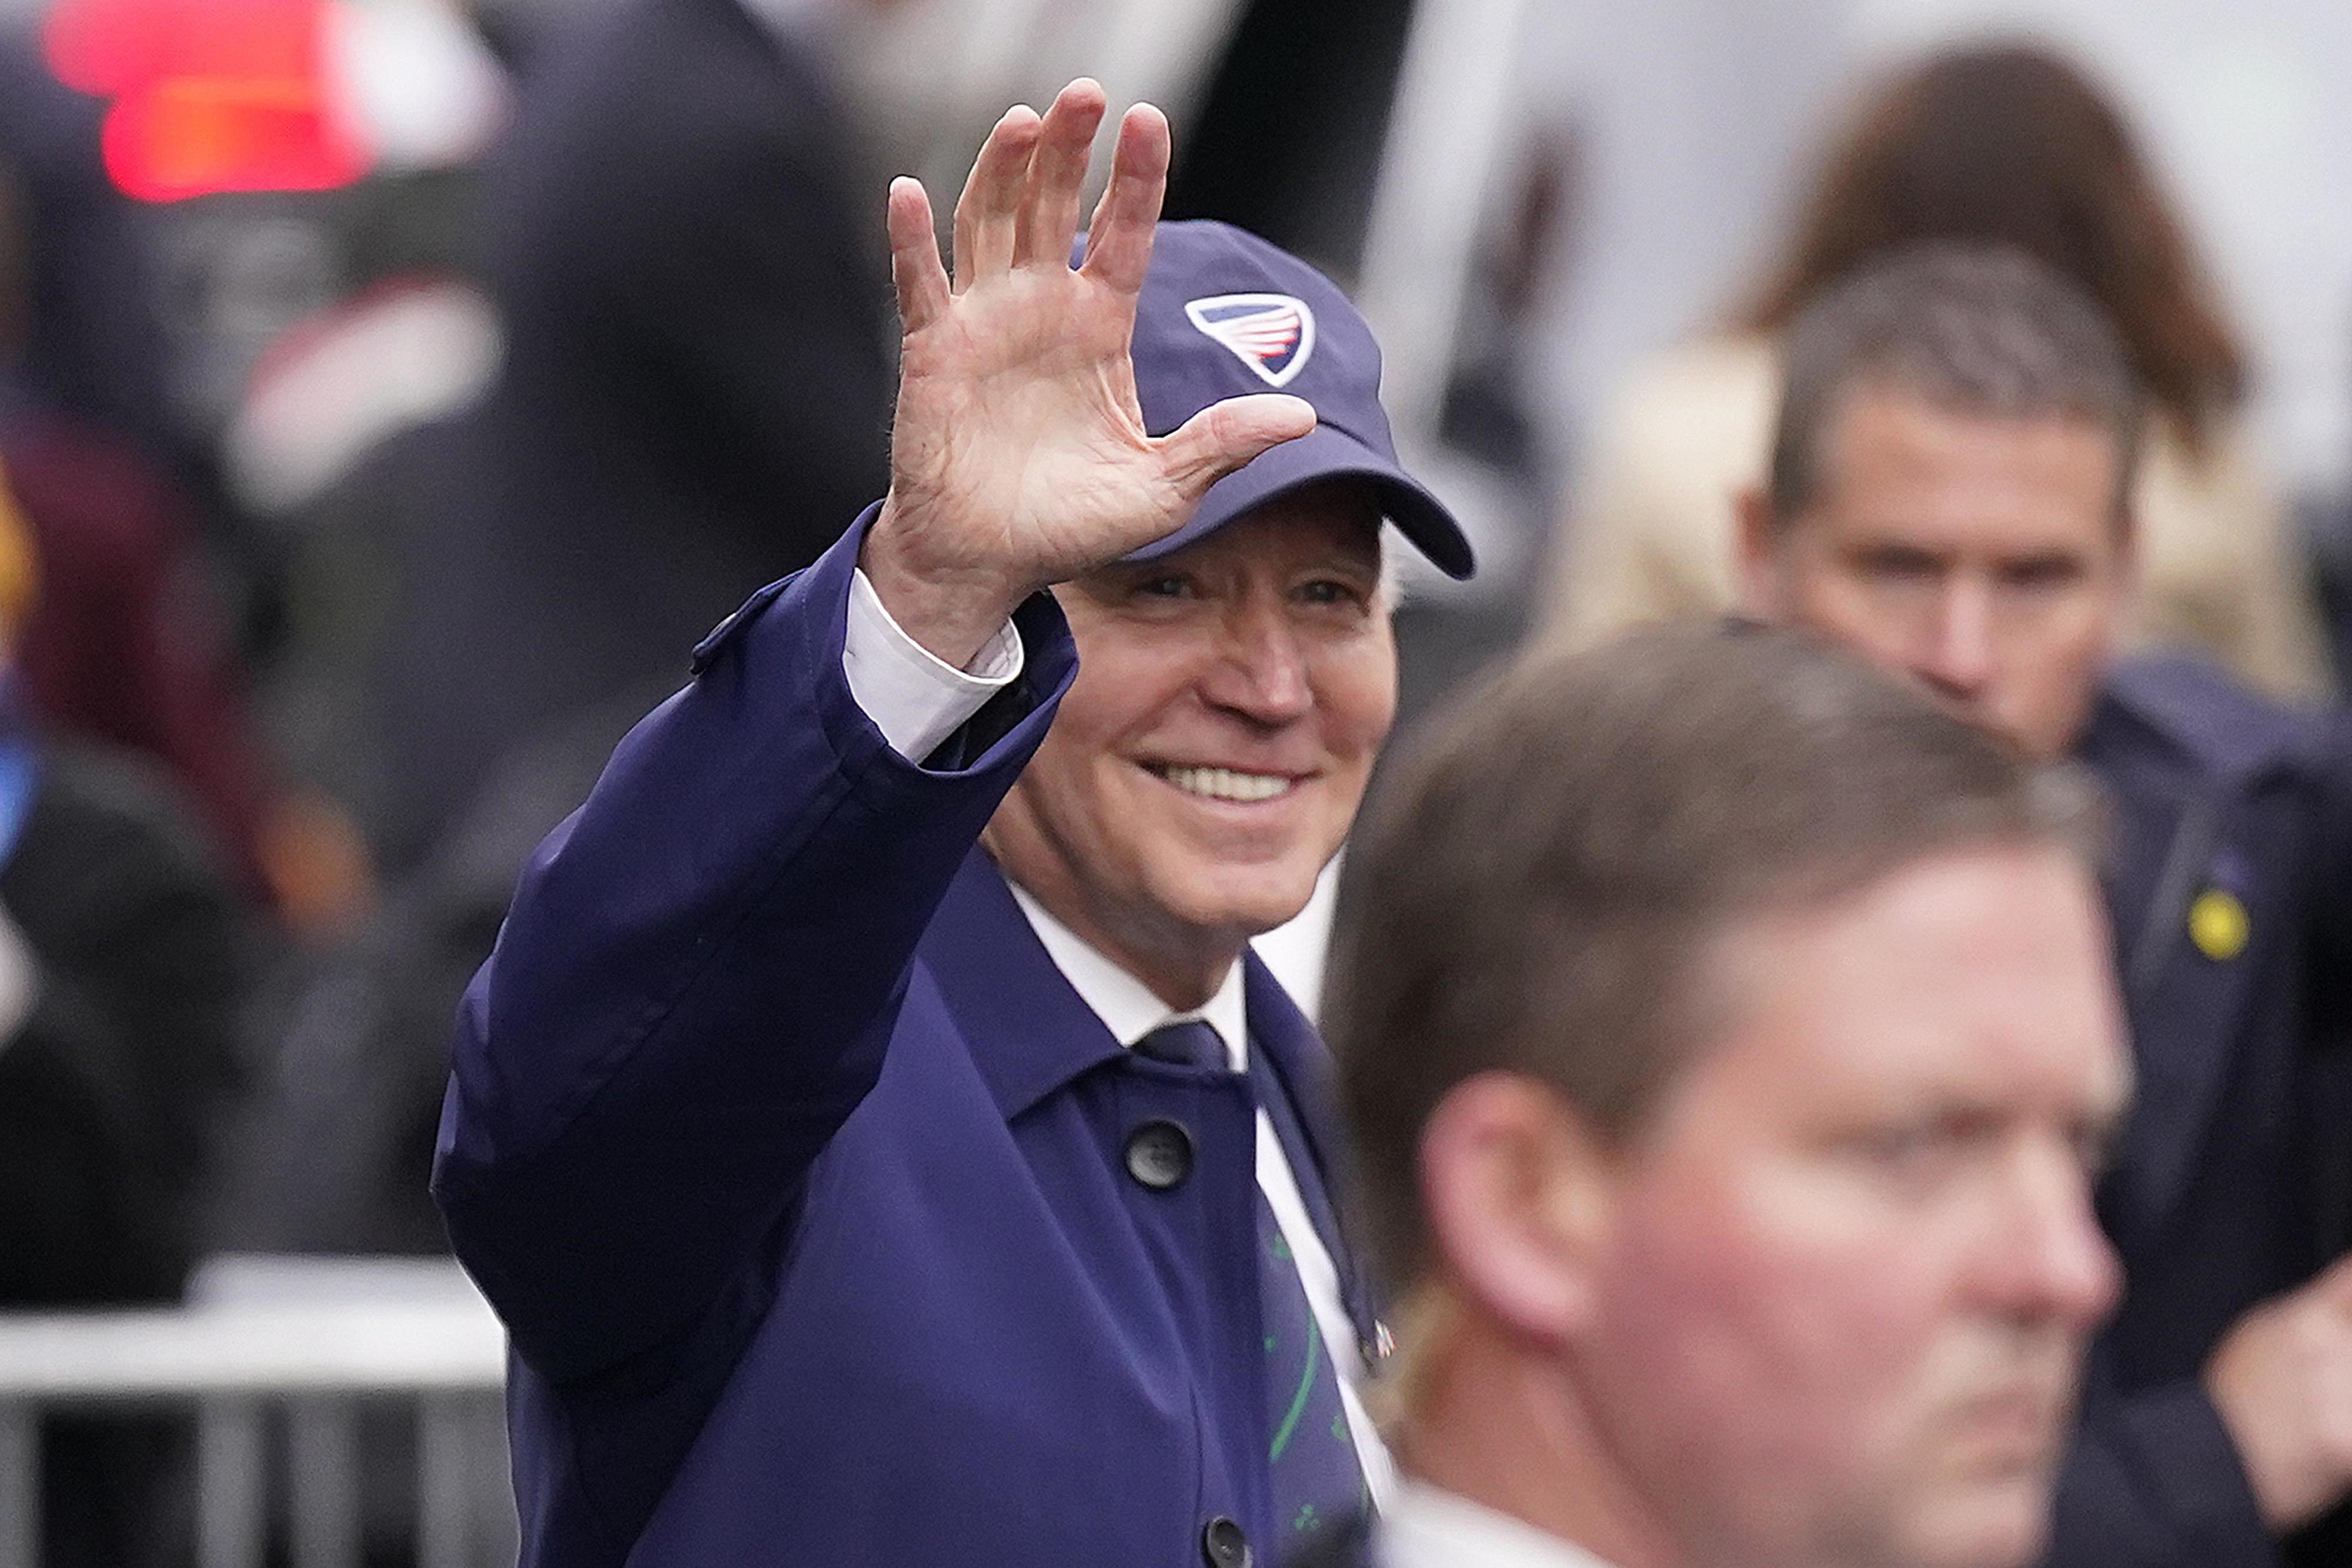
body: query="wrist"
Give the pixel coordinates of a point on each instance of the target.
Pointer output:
(953, 609)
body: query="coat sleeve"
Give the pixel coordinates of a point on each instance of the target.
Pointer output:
(696, 982)
(2154, 1482)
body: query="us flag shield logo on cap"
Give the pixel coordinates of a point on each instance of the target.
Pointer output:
(1273, 334)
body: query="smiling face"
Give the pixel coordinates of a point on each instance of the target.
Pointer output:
(1209, 758)
(1981, 556)
(1852, 1260)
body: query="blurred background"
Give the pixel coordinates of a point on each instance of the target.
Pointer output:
(393, 391)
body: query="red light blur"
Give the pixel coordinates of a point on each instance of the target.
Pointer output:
(209, 95)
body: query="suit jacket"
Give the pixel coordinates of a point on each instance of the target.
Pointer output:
(2231, 1183)
(801, 1176)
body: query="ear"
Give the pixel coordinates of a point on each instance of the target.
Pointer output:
(1520, 1193)
(1756, 557)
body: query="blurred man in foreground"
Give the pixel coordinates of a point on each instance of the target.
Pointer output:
(871, 1127)
(1729, 1037)
(1948, 497)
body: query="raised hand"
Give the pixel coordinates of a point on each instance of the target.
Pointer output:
(1019, 457)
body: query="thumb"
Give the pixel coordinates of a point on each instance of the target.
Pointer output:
(1224, 435)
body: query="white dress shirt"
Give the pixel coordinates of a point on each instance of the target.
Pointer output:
(916, 701)
(1422, 1527)
(916, 698)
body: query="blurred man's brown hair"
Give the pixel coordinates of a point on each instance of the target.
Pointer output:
(1538, 886)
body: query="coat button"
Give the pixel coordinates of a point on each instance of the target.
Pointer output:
(1223, 1544)
(1160, 1155)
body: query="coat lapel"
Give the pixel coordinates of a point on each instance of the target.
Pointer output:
(1029, 1032)
(2179, 794)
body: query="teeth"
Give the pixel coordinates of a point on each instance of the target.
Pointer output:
(1225, 784)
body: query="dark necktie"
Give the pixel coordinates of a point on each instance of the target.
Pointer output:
(1310, 1454)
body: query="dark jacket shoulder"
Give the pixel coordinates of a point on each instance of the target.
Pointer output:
(2201, 715)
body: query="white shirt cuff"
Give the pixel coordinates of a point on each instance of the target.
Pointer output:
(916, 698)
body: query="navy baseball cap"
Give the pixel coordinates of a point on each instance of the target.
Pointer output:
(1222, 314)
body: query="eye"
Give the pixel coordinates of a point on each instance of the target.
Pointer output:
(1899, 1149)
(1331, 590)
(1921, 1151)
(2042, 572)
(1897, 564)
(1171, 585)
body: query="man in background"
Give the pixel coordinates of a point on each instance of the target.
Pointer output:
(1949, 495)
(696, 396)
(1730, 1039)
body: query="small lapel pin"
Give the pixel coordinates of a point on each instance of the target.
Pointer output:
(2219, 925)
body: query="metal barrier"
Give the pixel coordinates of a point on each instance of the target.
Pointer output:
(312, 1339)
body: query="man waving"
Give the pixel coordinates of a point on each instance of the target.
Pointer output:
(871, 1126)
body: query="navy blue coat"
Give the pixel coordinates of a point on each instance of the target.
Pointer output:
(797, 1172)
(2229, 1187)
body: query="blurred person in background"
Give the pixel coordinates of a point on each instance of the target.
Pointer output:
(1730, 1039)
(871, 1126)
(129, 644)
(341, 1123)
(697, 388)
(121, 899)
(127, 963)
(1950, 495)
(2003, 145)
(695, 370)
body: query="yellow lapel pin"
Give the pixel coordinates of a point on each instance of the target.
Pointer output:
(2219, 925)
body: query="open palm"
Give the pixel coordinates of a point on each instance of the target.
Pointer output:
(1019, 456)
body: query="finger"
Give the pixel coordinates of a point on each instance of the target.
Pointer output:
(991, 203)
(1119, 248)
(1224, 435)
(914, 270)
(1057, 176)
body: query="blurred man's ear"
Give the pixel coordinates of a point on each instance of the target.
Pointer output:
(1756, 564)
(1521, 1198)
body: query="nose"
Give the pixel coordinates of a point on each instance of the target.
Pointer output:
(1955, 655)
(2053, 1263)
(1260, 672)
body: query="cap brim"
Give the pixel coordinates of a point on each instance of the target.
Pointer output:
(1329, 453)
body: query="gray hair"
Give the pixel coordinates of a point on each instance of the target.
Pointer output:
(1979, 330)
